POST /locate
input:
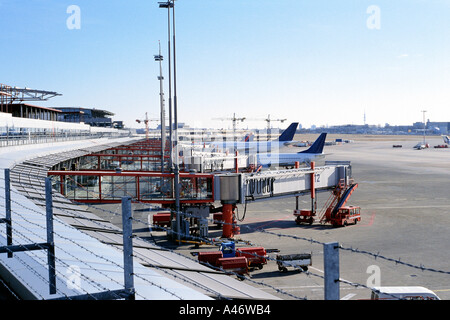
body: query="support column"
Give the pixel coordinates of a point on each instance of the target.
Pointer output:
(313, 187)
(227, 211)
(331, 270)
(127, 246)
(8, 219)
(50, 238)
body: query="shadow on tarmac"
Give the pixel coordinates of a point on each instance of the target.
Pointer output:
(278, 224)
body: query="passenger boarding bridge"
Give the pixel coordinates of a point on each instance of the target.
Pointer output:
(129, 171)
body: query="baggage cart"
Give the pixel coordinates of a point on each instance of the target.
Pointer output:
(297, 261)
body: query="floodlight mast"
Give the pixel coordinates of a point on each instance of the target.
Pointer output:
(171, 4)
(159, 58)
(168, 4)
(424, 125)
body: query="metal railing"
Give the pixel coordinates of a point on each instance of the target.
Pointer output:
(127, 293)
(7, 140)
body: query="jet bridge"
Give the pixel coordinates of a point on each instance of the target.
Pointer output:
(249, 187)
(235, 188)
(199, 191)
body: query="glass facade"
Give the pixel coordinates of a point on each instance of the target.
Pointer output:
(107, 187)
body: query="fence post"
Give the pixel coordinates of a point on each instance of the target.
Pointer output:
(127, 246)
(331, 269)
(8, 219)
(50, 239)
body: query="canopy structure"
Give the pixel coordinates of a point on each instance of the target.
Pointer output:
(10, 95)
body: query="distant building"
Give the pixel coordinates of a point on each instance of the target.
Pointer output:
(181, 125)
(28, 111)
(439, 127)
(92, 117)
(118, 124)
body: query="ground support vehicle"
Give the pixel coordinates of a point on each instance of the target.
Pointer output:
(346, 216)
(210, 258)
(256, 256)
(215, 260)
(299, 261)
(403, 293)
(161, 219)
(304, 216)
(335, 212)
(237, 265)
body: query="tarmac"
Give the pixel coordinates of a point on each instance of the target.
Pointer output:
(402, 239)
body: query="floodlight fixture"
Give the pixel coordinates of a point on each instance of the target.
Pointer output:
(167, 4)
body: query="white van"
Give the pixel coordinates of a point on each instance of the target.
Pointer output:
(406, 293)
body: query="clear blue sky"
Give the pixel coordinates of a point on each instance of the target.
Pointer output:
(316, 62)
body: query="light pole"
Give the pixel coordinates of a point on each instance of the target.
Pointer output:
(171, 4)
(159, 58)
(424, 125)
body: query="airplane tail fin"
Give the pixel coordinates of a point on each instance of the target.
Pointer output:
(289, 133)
(317, 146)
(446, 139)
(248, 137)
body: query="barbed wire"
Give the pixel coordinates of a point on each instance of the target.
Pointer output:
(172, 251)
(12, 293)
(90, 251)
(111, 229)
(31, 268)
(300, 238)
(397, 261)
(375, 255)
(98, 256)
(29, 240)
(195, 238)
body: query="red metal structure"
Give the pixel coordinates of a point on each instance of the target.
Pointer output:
(229, 227)
(307, 216)
(148, 187)
(130, 161)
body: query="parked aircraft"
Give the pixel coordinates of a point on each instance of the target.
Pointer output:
(314, 153)
(420, 146)
(284, 139)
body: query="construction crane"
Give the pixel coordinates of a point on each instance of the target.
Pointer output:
(146, 121)
(235, 120)
(268, 120)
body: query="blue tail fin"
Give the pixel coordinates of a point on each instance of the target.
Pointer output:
(446, 139)
(317, 146)
(289, 133)
(248, 137)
